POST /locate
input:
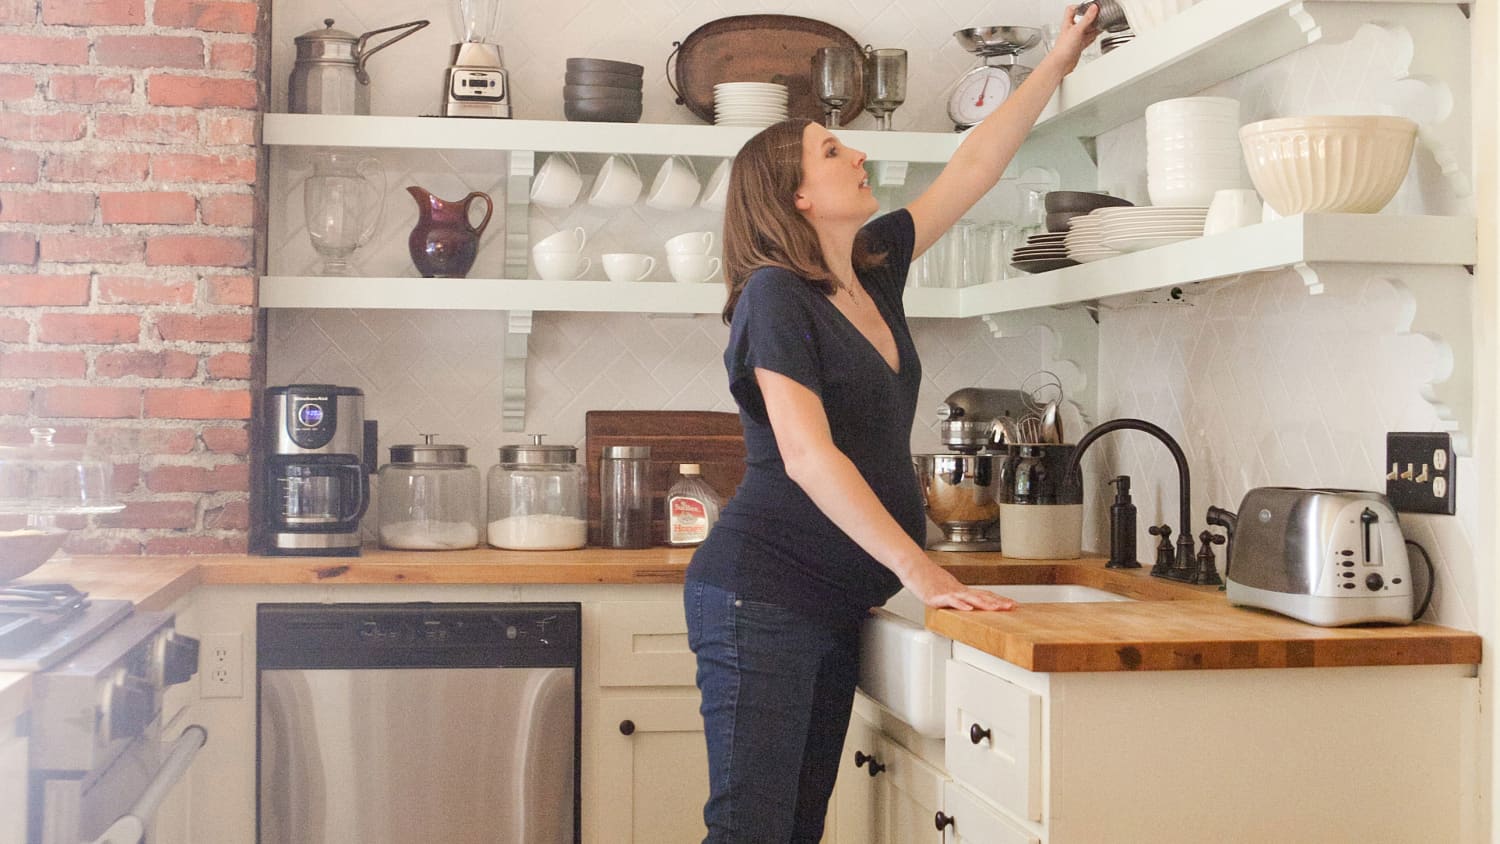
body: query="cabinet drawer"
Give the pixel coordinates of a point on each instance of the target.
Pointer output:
(1004, 767)
(976, 823)
(644, 643)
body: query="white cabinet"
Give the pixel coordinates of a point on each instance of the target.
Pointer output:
(853, 803)
(994, 739)
(12, 783)
(886, 793)
(972, 821)
(645, 774)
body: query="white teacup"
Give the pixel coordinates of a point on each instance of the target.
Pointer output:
(628, 266)
(692, 243)
(568, 240)
(675, 186)
(691, 269)
(718, 188)
(557, 183)
(560, 266)
(618, 184)
(1232, 209)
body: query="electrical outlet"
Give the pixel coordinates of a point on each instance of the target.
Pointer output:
(1419, 472)
(221, 669)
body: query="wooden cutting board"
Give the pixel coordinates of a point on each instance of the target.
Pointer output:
(711, 439)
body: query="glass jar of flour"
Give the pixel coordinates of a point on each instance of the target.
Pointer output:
(429, 498)
(537, 498)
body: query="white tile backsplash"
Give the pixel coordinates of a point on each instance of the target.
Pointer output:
(1259, 381)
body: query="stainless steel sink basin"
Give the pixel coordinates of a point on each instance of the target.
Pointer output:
(902, 663)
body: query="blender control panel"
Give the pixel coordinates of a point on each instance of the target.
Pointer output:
(311, 418)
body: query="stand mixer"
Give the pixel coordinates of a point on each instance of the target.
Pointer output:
(982, 89)
(959, 487)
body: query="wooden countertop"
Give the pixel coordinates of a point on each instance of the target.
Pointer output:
(1169, 627)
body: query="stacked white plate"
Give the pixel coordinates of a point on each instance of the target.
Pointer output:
(756, 104)
(1192, 149)
(1085, 239)
(1135, 229)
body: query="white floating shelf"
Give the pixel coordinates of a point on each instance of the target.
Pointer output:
(1303, 241)
(323, 130)
(1207, 43)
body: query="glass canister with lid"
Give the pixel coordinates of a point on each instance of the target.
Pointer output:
(41, 481)
(536, 498)
(429, 498)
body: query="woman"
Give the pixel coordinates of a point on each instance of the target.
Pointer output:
(829, 519)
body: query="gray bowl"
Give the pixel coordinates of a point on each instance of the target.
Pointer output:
(600, 92)
(1084, 201)
(607, 66)
(599, 77)
(602, 111)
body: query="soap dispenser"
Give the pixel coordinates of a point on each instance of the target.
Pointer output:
(1122, 527)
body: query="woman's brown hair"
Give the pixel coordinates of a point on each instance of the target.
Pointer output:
(762, 226)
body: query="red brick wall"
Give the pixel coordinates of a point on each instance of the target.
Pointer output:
(129, 204)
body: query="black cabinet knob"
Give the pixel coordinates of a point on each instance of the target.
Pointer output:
(627, 727)
(861, 759)
(941, 820)
(977, 733)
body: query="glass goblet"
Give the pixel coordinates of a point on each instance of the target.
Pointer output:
(885, 83)
(835, 75)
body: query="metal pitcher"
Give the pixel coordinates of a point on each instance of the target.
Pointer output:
(329, 76)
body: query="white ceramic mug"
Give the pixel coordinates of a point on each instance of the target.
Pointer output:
(618, 184)
(675, 186)
(692, 243)
(567, 240)
(557, 183)
(1232, 209)
(560, 266)
(628, 266)
(718, 187)
(691, 269)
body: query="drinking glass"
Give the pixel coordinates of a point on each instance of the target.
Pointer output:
(834, 76)
(343, 200)
(885, 83)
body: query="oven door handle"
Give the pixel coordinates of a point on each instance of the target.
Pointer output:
(131, 828)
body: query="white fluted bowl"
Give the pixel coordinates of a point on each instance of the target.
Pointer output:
(1328, 164)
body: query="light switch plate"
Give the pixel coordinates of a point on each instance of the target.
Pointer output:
(1420, 470)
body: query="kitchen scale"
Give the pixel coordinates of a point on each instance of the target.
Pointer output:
(982, 89)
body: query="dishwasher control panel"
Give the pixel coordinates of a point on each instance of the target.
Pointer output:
(458, 635)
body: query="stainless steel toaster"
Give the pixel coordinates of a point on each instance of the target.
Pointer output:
(1324, 556)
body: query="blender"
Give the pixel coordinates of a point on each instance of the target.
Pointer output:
(476, 81)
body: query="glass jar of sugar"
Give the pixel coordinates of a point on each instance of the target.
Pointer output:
(429, 498)
(536, 498)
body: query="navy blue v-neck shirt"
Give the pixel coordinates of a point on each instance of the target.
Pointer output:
(771, 542)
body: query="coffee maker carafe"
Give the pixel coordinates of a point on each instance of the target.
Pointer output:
(317, 484)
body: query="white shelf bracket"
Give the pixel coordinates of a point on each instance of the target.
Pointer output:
(891, 174)
(1439, 305)
(1309, 275)
(518, 214)
(1075, 348)
(513, 371)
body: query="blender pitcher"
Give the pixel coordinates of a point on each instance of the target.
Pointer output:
(477, 85)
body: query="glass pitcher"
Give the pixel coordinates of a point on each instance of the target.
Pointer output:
(343, 200)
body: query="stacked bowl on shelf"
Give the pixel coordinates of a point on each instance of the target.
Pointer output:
(1146, 15)
(1328, 163)
(1192, 150)
(602, 90)
(754, 104)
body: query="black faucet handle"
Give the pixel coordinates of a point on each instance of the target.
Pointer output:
(1208, 538)
(1164, 556)
(1207, 573)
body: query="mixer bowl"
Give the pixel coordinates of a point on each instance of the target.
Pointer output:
(998, 40)
(959, 491)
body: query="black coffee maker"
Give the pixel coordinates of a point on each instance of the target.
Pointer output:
(317, 483)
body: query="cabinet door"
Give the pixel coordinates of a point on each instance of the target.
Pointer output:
(994, 739)
(910, 794)
(644, 643)
(652, 771)
(974, 822)
(853, 801)
(12, 785)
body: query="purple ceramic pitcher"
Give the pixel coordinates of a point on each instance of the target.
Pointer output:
(444, 243)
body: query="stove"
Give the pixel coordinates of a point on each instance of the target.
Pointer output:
(43, 624)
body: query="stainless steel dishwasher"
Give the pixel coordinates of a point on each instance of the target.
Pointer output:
(405, 723)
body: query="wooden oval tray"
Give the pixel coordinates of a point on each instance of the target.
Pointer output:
(760, 48)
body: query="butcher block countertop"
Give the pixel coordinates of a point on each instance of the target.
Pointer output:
(1169, 626)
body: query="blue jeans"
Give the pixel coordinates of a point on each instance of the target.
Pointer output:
(777, 691)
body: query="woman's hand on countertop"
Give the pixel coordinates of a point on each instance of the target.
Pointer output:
(937, 588)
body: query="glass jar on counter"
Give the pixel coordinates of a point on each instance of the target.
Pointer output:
(536, 498)
(429, 498)
(625, 496)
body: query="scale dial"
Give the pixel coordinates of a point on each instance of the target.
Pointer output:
(978, 92)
